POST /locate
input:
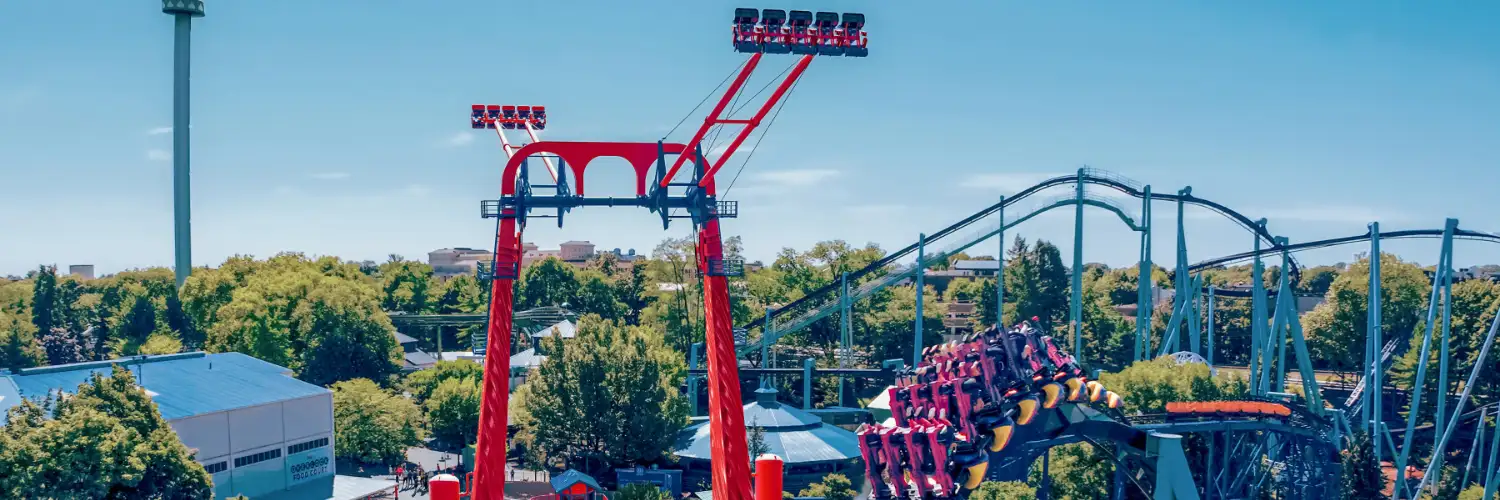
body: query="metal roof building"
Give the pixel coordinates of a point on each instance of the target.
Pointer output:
(258, 431)
(810, 448)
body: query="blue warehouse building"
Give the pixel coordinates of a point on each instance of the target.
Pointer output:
(257, 430)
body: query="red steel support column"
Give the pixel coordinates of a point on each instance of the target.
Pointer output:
(713, 117)
(489, 453)
(754, 122)
(726, 417)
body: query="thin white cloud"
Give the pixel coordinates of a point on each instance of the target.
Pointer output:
(459, 139)
(159, 131)
(1009, 182)
(158, 155)
(417, 190)
(795, 178)
(330, 176)
(720, 149)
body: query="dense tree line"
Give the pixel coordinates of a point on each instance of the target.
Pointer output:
(329, 320)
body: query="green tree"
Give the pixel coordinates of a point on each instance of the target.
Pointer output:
(346, 335)
(607, 397)
(1336, 329)
(422, 383)
(460, 295)
(1036, 284)
(642, 491)
(106, 441)
(453, 411)
(595, 295)
(407, 286)
(372, 425)
(756, 441)
(1317, 280)
(1450, 487)
(162, 342)
(965, 290)
(887, 325)
(1361, 474)
(1003, 490)
(632, 292)
(1147, 386)
(20, 348)
(44, 299)
(321, 318)
(832, 487)
(62, 347)
(140, 321)
(1108, 337)
(550, 282)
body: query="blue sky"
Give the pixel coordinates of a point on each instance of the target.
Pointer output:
(340, 127)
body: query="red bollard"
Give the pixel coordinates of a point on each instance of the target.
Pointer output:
(443, 487)
(767, 477)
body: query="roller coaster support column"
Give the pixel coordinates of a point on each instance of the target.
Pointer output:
(765, 351)
(1443, 266)
(1184, 308)
(692, 381)
(920, 270)
(1374, 365)
(1490, 468)
(1270, 364)
(807, 380)
(1174, 479)
(1000, 270)
(1182, 298)
(1476, 448)
(1436, 462)
(1210, 328)
(1287, 313)
(1075, 314)
(1442, 392)
(846, 338)
(1257, 313)
(1181, 272)
(1145, 282)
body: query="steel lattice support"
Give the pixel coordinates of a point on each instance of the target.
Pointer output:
(1075, 313)
(1145, 282)
(1444, 266)
(1257, 314)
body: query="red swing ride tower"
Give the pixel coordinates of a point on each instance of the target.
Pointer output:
(656, 188)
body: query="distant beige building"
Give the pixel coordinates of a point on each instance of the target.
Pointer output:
(576, 251)
(82, 271)
(450, 262)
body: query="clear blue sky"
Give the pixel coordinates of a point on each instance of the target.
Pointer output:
(340, 127)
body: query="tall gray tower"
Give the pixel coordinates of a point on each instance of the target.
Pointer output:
(183, 11)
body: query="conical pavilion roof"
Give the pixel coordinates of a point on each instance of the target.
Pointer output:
(796, 436)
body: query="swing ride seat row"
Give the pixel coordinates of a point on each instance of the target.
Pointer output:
(772, 31)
